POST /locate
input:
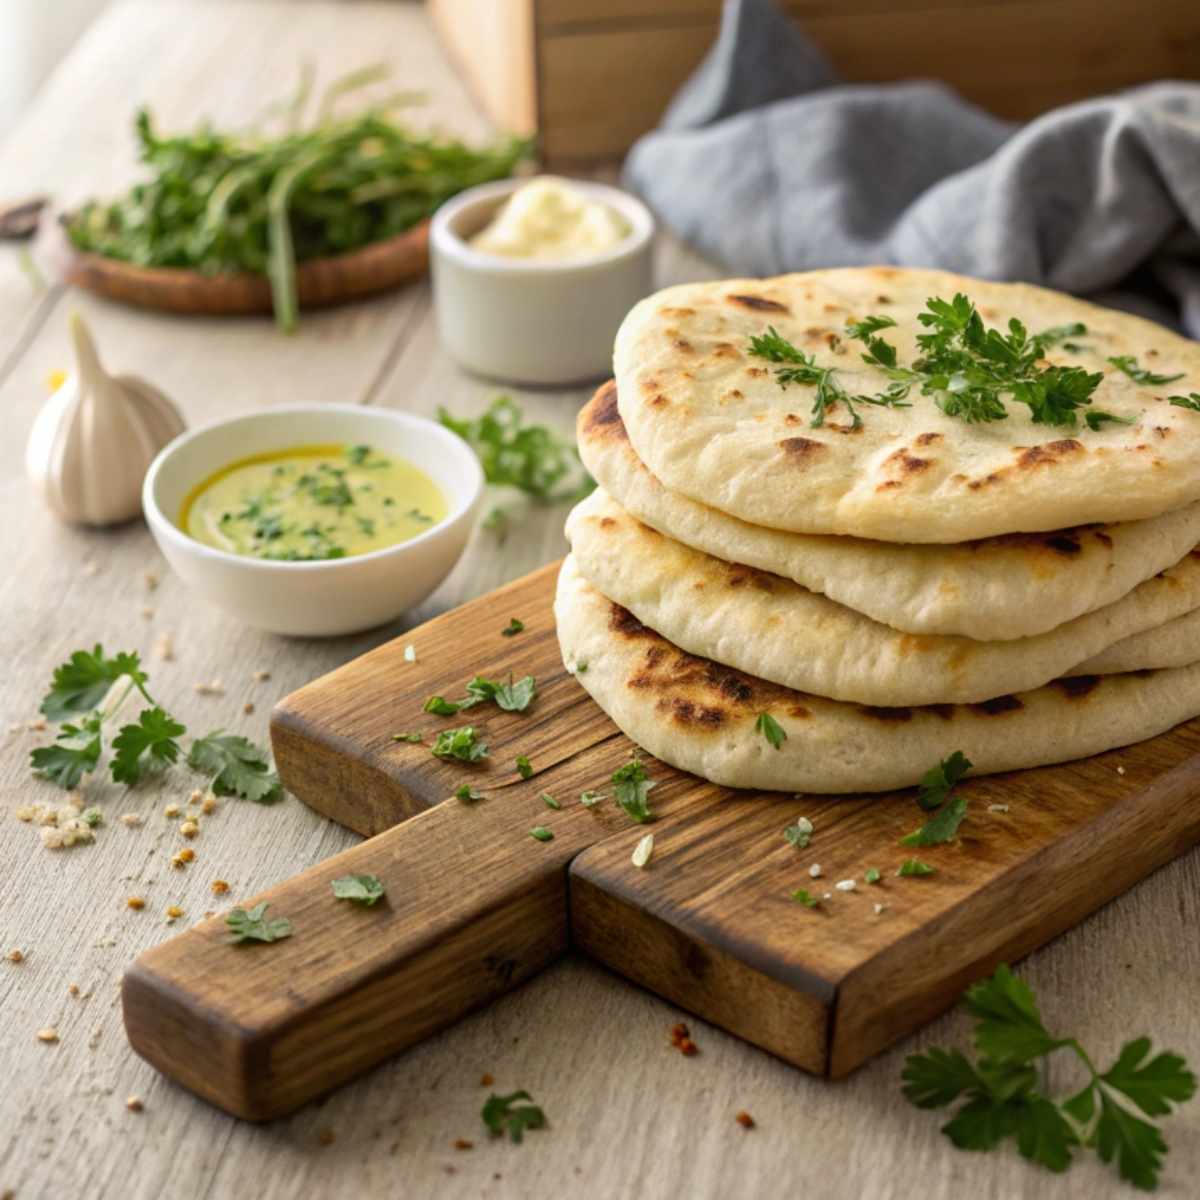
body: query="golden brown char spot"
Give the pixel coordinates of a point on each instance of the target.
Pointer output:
(998, 706)
(945, 711)
(734, 394)
(607, 522)
(834, 427)
(801, 447)
(1047, 452)
(683, 345)
(658, 400)
(832, 308)
(976, 484)
(687, 712)
(671, 311)
(908, 464)
(756, 372)
(1077, 686)
(888, 485)
(623, 622)
(990, 313)
(799, 712)
(1103, 538)
(890, 716)
(601, 417)
(757, 303)
(882, 299)
(1163, 431)
(928, 439)
(1066, 546)
(726, 350)
(739, 575)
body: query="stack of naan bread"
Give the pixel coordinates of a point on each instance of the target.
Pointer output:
(886, 593)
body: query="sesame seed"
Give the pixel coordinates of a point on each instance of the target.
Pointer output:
(49, 1034)
(815, 870)
(134, 1104)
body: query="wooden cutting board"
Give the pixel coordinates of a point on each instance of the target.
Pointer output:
(475, 905)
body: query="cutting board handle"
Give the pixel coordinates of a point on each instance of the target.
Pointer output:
(473, 908)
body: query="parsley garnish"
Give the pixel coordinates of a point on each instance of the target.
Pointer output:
(361, 889)
(550, 802)
(1129, 364)
(941, 827)
(872, 875)
(440, 706)
(510, 696)
(251, 925)
(541, 833)
(153, 738)
(914, 867)
(1191, 400)
(532, 458)
(75, 753)
(770, 729)
(502, 1113)
(931, 793)
(513, 628)
(803, 896)
(798, 835)
(631, 786)
(414, 738)
(238, 767)
(467, 792)
(1004, 1097)
(459, 743)
(524, 767)
(590, 799)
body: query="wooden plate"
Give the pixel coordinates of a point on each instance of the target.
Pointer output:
(319, 282)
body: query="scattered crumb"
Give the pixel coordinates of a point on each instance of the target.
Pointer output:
(49, 1034)
(130, 819)
(72, 989)
(744, 1119)
(164, 648)
(1120, 770)
(173, 913)
(485, 1080)
(186, 855)
(998, 808)
(247, 708)
(150, 579)
(261, 676)
(326, 1137)
(172, 810)
(66, 832)
(815, 870)
(845, 885)
(215, 688)
(136, 903)
(463, 1144)
(15, 956)
(681, 1039)
(208, 804)
(219, 887)
(410, 653)
(134, 1104)
(147, 612)
(189, 829)
(196, 796)
(38, 725)
(827, 896)
(879, 908)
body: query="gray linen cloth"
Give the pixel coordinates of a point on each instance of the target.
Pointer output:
(766, 163)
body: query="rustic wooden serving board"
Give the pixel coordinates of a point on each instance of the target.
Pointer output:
(475, 905)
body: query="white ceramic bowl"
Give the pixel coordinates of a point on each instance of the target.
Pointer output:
(336, 596)
(528, 321)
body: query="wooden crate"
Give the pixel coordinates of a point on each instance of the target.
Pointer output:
(590, 76)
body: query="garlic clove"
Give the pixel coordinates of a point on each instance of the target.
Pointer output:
(95, 437)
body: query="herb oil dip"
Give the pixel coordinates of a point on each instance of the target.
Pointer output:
(312, 502)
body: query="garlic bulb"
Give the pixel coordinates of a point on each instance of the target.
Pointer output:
(95, 437)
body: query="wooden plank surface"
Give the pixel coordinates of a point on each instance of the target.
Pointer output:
(590, 1047)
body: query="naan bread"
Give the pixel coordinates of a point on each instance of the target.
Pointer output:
(1175, 644)
(999, 588)
(714, 424)
(701, 717)
(773, 628)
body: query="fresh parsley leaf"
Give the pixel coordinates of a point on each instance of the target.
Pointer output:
(360, 889)
(936, 783)
(503, 1113)
(252, 925)
(524, 767)
(467, 792)
(914, 867)
(590, 799)
(441, 707)
(872, 875)
(152, 738)
(516, 697)
(770, 729)
(799, 835)
(941, 827)
(1139, 374)
(83, 681)
(75, 753)
(541, 833)
(803, 896)
(550, 802)
(513, 628)
(631, 786)
(532, 458)
(413, 738)
(1191, 400)
(510, 696)
(461, 744)
(238, 767)
(1003, 1097)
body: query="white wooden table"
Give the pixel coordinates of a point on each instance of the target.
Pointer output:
(628, 1116)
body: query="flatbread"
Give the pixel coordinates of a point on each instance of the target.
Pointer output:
(1175, 644)
(701, 717)
(1005, 587)
(773, 628)
(714, 424)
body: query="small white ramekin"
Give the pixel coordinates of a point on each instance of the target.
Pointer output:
(529, 321)
(335, 596)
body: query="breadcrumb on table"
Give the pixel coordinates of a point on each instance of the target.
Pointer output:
(134, 1104)
(15, 956)
(744, 1119)
(48, 1035)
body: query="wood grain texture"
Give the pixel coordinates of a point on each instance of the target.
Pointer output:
(320, 282)
(645, 1121)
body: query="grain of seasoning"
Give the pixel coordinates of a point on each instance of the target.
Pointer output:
(744, 1119)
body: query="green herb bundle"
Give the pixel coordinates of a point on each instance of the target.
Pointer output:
(227, 202)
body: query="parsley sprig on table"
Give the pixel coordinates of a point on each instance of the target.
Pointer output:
(510, 696)
(631, 787)
(252, 925)
(503, 1113)
(966, 367)
(1005, 1097)
(88, 687)
(932, 794)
